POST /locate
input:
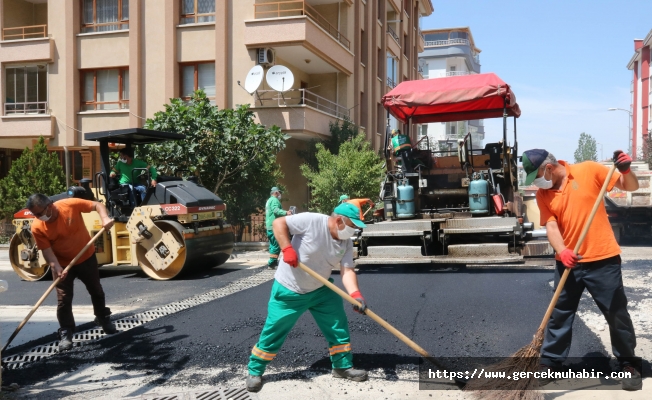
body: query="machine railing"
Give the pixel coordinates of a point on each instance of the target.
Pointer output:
(25, 32)
(292, 8)
(301, 97)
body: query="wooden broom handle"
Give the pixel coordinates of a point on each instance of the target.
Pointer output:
(587, 225)
(52, 286)
(372, 315)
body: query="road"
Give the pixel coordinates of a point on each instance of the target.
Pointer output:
(457, 314)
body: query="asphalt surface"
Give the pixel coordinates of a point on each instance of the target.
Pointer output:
(478, 313)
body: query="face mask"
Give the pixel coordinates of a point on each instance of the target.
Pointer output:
(542, 183)
(124, 160)
(45, 218)
(345, 233)
(279, 196)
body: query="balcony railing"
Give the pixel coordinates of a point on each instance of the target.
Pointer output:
(25, 32)
(392, 33)
(391, 83)
(435, 43)
(34, 107)
(456, 73)
(293, 8)
(301, 97)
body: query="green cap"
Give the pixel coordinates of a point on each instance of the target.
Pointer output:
(351, 212)
(343, 197)
(532, 160)
(275, 189)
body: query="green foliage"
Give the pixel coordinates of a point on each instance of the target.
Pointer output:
(340, 131)
(234, 156)
(644, 152)
(356, 170)
(35, 171)
(587, 149)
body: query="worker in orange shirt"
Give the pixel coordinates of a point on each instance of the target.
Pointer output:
(358, 203)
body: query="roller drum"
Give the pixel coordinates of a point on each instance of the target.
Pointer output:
(202, 250)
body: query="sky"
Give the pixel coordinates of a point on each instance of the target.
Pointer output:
(566, 61)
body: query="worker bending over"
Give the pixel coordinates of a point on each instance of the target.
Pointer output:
(322, 243)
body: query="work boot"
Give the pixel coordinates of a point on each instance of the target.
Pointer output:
(543, 381)
(65, 340)
(634, 382)
(106, 324)
(254, 383)
(352, 374)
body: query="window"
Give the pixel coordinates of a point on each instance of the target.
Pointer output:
(105, 15)
(26, 89)
(459, 35)
(392, 70)
(196, 11)
(80, 163)
(198, 76)
(105, 89)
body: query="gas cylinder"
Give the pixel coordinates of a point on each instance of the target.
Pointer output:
(405, 200)
(478, 196)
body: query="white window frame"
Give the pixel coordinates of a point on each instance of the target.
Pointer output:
(40, 107)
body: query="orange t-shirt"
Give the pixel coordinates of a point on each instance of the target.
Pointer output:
(359, 203)
(571, 206)
(67, 235)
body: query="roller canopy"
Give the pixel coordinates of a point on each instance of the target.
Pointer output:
(132, 136)
(454, 98)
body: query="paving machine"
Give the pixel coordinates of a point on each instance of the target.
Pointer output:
(452, 209)
(179, 226)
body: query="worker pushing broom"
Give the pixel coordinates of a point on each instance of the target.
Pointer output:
(565, 196)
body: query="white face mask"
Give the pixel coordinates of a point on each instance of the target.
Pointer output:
(124, 160)
(279, 196)
(45, 218)
(345, 233)
(542, 183)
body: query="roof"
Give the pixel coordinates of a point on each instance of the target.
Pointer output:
(637, 53)
(132, 136)
(454, 98)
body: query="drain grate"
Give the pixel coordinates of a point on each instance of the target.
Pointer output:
(211, 394)
(124, 324)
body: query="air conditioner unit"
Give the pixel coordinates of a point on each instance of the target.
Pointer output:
(266, 56)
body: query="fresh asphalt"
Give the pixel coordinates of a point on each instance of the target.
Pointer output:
(465, 313)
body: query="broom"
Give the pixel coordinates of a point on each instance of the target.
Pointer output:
(527, 359)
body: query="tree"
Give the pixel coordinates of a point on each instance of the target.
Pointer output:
(356, 170)
(234, 156)
(341, 131)
(35, 171)
(587, 149)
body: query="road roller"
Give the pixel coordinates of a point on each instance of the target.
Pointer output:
(178, 227)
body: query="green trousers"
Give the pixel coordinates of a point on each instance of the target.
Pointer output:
(274, 249)
(284, 309)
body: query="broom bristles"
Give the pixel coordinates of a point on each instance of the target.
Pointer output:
(527, 359)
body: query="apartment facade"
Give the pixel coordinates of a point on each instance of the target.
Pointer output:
(76, 66)
(450, 52)
(641, 89)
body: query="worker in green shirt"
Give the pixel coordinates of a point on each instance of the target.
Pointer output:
(273, 210)
(125, 165)
(402, 148)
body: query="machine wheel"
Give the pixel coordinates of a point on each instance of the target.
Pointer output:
(22, 268)
(177, 265)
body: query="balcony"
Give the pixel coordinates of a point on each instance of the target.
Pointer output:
(457, 73)
(290, 8)
(26, 126)
(391, 83)
(299, 112)
(448, 42)
(293, 30)
(24, 19)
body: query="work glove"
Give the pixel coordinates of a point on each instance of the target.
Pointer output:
(363, 306)
(290, 256)
(622, 161)
(569, 259)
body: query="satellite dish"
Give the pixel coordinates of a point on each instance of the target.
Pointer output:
(254, 79)
(280, 78)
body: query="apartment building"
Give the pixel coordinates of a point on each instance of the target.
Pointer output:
(76, 66)
(641, 89)
(450, 52)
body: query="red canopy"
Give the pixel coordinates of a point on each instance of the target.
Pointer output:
(454, 98)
